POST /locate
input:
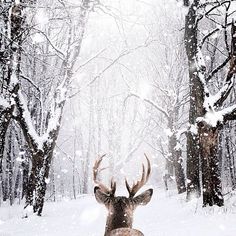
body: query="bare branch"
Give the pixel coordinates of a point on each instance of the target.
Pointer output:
(162, 110)
(217, 69)
(53, 46)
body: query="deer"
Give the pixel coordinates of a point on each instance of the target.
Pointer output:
(120, 208)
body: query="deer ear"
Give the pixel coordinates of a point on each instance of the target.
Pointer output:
(143, 198)
(100, 196)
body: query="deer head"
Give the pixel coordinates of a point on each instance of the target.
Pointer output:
(121, 208)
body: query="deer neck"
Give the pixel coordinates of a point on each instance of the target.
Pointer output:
(118, 220)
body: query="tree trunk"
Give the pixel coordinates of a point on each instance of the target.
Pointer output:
(25, 174)
(53, 181)
(37, 184)
(4, 123)
(37, 162)
(193, 166)
(17, 185)
(73, 168)
(193, 178)
(175, 157)
(9, 168)
(229, 156)
(179, 172)
(211, 179)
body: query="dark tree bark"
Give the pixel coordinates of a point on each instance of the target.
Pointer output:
(186, 3)
(176, 162)
(39, 173)
(25, 174)
(41, 184)
(230, 156)
(9, 166)
(193, 161)
(17, 185)
(211, 178)
(179, 172)
(4, 123)
(10, 54)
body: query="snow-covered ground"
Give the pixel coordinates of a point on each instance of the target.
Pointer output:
(166, 215)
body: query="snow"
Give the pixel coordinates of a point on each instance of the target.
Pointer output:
(52, 124)
(168, 132)
(167, 214)
(78, 153)
(41, 17)
(14, 79)
(144, 89)
(212, 118)
(193, 129)
(3, 102)
(178, 146)
(37, 38)
(31, 130)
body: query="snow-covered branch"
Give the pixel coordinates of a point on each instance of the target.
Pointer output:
(24, 118)
(229, 113)
(156, 106)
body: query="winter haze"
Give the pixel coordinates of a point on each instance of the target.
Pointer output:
(117, 117)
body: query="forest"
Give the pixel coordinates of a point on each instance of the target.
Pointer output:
(97, 94)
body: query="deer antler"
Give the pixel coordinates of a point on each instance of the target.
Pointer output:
(102, 187)
(140, 183)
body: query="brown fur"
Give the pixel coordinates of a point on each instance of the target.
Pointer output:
(126, 232)
(120, 209)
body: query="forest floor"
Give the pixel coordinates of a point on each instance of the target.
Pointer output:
(166, 215)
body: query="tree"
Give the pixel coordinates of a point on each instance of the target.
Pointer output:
(193, 163)
(165, 93)
(174, 159)
(12, 35)
(41, 129)
(207, 106)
